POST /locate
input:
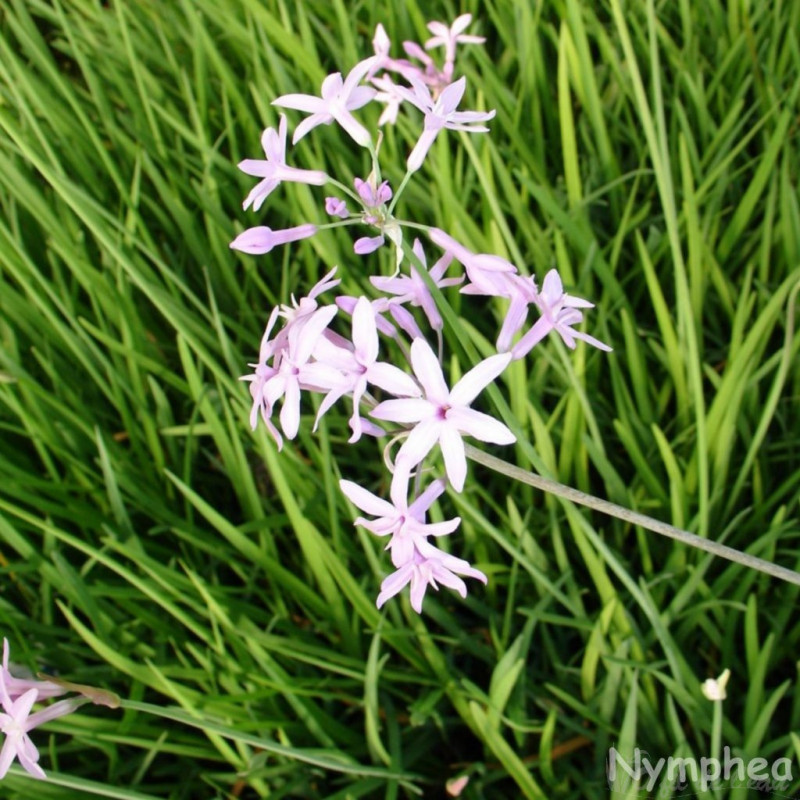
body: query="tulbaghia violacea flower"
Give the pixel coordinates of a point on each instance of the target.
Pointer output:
(360, 366)
(434, 78)
(428, 567)
(525, 294)
(440, 113)
(15, 724)
(390, 99)
(559, 313)
(373, 196)
(338, 98)
(444, 415)
(16, 720)
(382, 306)
(488, 274)
(367, 244)
(404, 523)
(336, 207)
(262, 239)
(274, 169)
(374, 199)
(450, 36)
(294, 372)
(16, 687)
(413, 289)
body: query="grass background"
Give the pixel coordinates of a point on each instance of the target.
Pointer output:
(151, 544)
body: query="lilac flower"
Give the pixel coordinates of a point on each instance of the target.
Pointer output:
(440, 113)
(372, 195)
(16, 720)
(488, 274)
(444, 415)
(295, 373)
(274, 169)
(374, 199)
(296, 316)
(437, 80)
(262, 239)
(382, 306)
(389, 97)
(367, 244)
(449, 37)
(338, 98)
(336, 207)
(16, 687)
(381, 45)
(14, 724)
(412, 288)
(403, 522)
(428, 566)
(559, 313)
(361, 366)
(526, 293)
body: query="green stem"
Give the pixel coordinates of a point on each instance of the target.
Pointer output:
(399, 191)
(716, 736)
(620, 512)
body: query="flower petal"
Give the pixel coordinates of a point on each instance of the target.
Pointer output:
(478, 378)
(455, 462)
(368, 502)
(429, 372)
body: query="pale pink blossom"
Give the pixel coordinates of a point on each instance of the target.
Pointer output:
(16, 687)
(488, 274)
(404, 523)
(440, 113)
(15, 724)
(294, 372)
(359, 366)
(559, 313)
(338, 98)
(525, 294)
(274, 169)
(448, 37)
(428, 567)
(444, 415)
(367, 244)
(413, 289)
(373, 196)
(336, 207)
(16, 720)
(436, 79)
(262, 239)
(390, 99)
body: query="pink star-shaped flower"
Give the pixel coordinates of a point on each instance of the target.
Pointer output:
(274, 169)
(450, 36)
(428, 567)
(412, 288)
(338, 98)
(559, 313)
(440, 113)
(444, 415)
(359, 366)
(403, 522)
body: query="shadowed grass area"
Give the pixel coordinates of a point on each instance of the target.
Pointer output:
(150, 543)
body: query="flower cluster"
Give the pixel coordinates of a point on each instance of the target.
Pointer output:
(308, 355)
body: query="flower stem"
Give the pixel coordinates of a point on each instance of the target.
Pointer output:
(643, 521)
(399, 191)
